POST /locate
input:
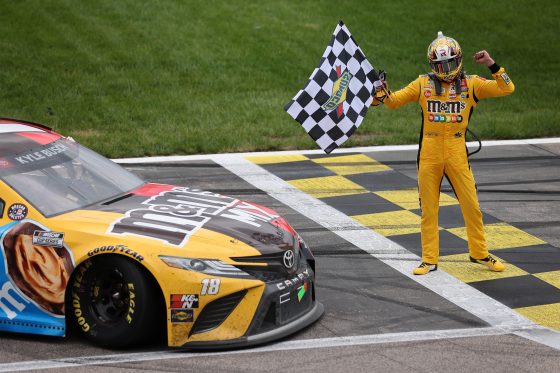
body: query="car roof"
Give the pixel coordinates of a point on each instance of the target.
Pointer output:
(19, 125)
(19, 135)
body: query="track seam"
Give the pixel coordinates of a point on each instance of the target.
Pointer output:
(318, 343)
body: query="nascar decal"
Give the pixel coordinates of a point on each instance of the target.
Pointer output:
(445, 107)
(33, 279)
(42, 238)
(174, 215)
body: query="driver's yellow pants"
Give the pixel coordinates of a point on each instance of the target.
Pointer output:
(459, 174)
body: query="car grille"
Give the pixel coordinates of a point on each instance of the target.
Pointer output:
(263, 273)
(273, 260)
(274, 269)
(216, 312)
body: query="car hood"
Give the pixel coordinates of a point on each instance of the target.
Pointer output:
(174, 215)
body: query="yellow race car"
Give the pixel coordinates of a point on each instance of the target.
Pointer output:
(87, 244)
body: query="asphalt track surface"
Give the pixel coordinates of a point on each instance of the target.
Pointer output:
(378, 317)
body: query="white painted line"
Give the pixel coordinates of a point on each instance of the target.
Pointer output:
(199, 157)
(541, 335)
(465, 296)
(282, 346)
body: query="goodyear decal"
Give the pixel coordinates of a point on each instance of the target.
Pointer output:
(121, 249)
(76, 301)
(339, 89)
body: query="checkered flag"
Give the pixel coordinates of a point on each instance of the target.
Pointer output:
(333, 103)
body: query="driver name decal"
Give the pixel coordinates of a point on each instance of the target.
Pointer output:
(174, 215)
(45, 153)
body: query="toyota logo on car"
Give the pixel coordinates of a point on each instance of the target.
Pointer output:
(289, 259)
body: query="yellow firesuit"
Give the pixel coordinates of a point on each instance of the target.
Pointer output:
(443, 151)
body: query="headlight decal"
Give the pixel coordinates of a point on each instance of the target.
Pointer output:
(207, 266)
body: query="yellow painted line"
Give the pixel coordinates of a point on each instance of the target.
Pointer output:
(552, 277)
(463, 269)
(270, 159)
(328, 186)
(408, 198)
(391, 223)
(353, 158)
(502, 236)
(357, 169)
(351, 164)
(546, 314)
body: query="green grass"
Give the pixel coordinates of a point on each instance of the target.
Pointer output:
(132, 78)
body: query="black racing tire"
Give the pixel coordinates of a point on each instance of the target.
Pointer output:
(114, 302)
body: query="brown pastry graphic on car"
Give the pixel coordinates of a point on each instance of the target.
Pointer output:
(40, 272)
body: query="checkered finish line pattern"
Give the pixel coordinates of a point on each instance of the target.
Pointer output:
(386, 201)
(335, 99)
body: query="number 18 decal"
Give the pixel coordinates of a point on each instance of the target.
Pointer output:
(210, 286)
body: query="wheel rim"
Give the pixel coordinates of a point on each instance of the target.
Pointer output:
(110, 297)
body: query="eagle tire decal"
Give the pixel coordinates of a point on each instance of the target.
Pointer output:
(111, 302)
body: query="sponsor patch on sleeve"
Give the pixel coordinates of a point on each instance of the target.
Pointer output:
(505, 77)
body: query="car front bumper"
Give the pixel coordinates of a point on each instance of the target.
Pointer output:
(285, 307)
(297, 324)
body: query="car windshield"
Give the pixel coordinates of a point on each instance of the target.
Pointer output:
(62, 176)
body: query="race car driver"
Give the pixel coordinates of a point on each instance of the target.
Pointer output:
(447, 97)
